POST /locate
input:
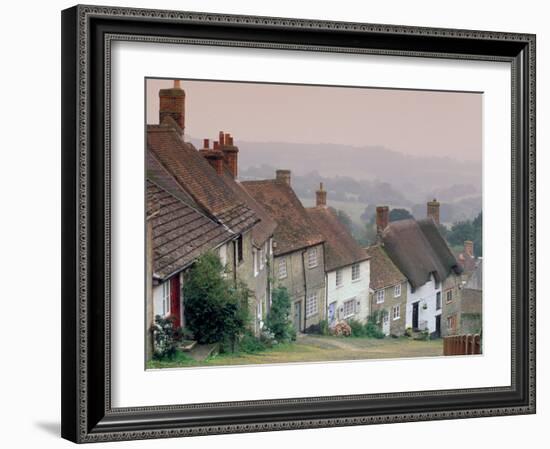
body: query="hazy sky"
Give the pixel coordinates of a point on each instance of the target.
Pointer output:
(418, 123)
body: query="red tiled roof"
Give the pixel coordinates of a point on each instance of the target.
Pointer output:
(192, 172)
(180, 232)
(294, 228)
(341, 249)
(383, 272)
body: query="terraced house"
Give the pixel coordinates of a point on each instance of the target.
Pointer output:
(388, 291)
(200, 206)
(347, 267)
(421, 253)
(298, 248)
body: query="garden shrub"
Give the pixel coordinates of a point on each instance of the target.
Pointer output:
(324, 328)
(278, 319)
(215, 309)
(164, 338)
(358, 329)
(341, 329)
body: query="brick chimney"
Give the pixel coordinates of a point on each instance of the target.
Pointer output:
(230, 153)
(213, 156)
(283, 175)
(469, 248)
(172, 104)
(321, 196)
(433, 210)
(382, 218)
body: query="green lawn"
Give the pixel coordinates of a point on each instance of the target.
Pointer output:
(316, 349)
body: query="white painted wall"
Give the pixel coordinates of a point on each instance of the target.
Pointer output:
(349, 289)
(425, 294)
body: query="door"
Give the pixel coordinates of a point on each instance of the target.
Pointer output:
(175, 300)
(386, 324)
(437, 333)
(415, 316)
(297, 315)
(332, 313)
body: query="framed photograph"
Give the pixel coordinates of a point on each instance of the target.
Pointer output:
(275, 224)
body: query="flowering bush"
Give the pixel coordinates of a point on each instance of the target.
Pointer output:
(341, 329)
(164, 337)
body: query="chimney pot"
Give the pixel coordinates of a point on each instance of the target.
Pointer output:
(221, 138)
(206, 143)
(433, 210)
(469, 248)
(321, 196)
(382, 218)
(283, 175)
(172, 104)
(216, 145)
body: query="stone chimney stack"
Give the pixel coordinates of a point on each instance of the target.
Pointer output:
(469, 248)
(382, 218)
(321, 196)
(172, 104)
(213, 156)
(283, 175)
(433, 210)
(230, 153)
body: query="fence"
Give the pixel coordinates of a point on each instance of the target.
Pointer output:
(462, 345)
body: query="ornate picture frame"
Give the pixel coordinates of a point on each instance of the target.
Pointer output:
(87, 35)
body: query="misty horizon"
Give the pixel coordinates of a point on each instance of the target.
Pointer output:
(414, 123)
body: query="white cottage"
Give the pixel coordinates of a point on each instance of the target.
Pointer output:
(421, 253)
(347, 268)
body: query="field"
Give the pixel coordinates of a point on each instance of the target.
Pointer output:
(310, 348)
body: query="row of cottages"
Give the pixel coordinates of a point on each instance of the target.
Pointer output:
(416, 279)
(195, 204)
(315, 258)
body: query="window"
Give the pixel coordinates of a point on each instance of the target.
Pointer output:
(282, 269)
(262, 258)
(339, 278)
(312, 258)
(166, 298)
(349, 308)
(451, 322)
(239, 248)
(396, 312)
(397, 291)
(355, 271)
(449, 295)
(380, 296)
(311, 304)
(438, 301)
(255, 261)
(223, 255)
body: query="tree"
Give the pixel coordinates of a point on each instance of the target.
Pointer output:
(216, 310)
(343, 218)
(278, 318)
(399, 214)
(468, 230)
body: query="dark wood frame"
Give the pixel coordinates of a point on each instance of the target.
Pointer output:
(87, 32)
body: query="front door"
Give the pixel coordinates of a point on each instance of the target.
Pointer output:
(332, 313)
(415, 315)
(297, 315)
(437, 326)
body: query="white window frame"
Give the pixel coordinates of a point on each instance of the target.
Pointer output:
(312, 306)
(356, 272)
(282, 272)
(339, 277)
(262, 257)
(380, 296)
(312, 259)
(255, 261)
(438, 301)
(166, 298)
(396, 308)
(447, 300)
(397, 291)
(347, 313)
